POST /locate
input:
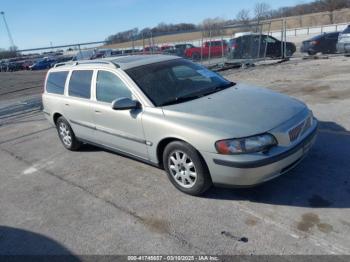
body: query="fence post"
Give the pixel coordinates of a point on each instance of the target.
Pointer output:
(222, 49)
(209, 54)
(202, 47)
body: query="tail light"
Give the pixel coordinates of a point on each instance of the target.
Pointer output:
(234, 46)
(315, 42)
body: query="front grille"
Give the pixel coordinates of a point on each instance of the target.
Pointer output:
(307, 125)
(295, 132)
(300, 129)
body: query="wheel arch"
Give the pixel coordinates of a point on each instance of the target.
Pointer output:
(165, 141)
(55, 116)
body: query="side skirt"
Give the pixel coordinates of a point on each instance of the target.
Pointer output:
(119, 152)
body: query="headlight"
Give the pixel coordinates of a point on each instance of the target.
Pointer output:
(251, 144)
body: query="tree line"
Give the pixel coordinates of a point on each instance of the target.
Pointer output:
(214, 26)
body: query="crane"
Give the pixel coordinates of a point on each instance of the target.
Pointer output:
(12, 43)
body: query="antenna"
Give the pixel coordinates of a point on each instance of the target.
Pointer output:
(12, 44)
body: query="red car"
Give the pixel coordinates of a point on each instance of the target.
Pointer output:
(215, 48)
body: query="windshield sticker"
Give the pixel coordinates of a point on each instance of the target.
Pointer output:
(207, 73)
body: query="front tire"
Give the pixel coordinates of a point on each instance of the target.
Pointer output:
(66, 134)
(186, 169)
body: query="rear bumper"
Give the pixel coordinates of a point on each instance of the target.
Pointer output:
(343, 47)
(249, 173)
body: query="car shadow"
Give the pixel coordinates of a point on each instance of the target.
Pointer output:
(19, 242)
(321, 180)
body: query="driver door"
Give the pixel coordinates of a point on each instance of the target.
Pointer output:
(117, 129)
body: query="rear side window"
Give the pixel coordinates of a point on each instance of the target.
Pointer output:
(80, 84)
(332, 36)
(347, 30)
(109, 87)
(55, 82)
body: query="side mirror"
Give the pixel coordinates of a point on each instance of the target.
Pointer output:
(125, 104)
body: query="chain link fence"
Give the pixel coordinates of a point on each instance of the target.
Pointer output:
(214, 46)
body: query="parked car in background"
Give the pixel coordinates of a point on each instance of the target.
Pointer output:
(116, 52)
(102, 53)
(63, 58)
(167, 111)
(84, 55)
(343, 45)
(151, 49)
(214, 48)
(130, 51)
(26, 64)
(325, 43)
(44, 63)
(180, 49)
(168, 49)
(249, 46)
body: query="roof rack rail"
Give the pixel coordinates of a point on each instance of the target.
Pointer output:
(62, 64)
(75, 63)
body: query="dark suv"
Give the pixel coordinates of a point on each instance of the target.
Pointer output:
(255, 45)
(325, 44)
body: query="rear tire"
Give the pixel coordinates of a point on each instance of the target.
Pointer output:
(66, 134)
(186, 169)
(196, 56)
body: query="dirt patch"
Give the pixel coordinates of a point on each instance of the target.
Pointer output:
(325, 228)
(156, 225)
(251, 221)
(311, 220)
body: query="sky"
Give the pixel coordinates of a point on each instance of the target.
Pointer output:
(38, 23)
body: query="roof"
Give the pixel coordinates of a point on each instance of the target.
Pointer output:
(123, 62)
(131, 61)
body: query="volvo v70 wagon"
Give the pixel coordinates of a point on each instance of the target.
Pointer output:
(167, 111)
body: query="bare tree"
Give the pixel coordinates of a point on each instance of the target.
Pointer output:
(243, 16)
(261, 11)
(332, 5)
(213, 26)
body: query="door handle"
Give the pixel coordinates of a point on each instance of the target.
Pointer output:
(66, 104)
(97, 111)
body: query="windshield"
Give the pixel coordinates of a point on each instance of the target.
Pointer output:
(176, 81)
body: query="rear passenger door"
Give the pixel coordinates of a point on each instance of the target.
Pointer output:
(77, 105)
(118, 129)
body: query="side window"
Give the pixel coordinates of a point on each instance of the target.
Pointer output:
(109, 87)
(80, 83)
(55, 82)
(332, 36)
(270, 40)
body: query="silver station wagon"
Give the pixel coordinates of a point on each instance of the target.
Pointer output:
(172, 113)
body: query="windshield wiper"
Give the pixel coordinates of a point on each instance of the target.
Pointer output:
(197, 95)
(180, 100)
(218, 88)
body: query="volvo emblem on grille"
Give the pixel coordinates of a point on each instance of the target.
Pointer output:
(295, 131)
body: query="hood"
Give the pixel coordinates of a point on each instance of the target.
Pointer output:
(235, 112)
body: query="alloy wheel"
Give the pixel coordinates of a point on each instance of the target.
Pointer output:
(182, 169)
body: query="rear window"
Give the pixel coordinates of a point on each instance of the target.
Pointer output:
(56, 82)
(80, 84)
(347, 30)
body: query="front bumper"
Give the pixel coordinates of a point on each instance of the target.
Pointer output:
(225, 171)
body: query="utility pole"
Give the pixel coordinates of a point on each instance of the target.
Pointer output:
(12, 44)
